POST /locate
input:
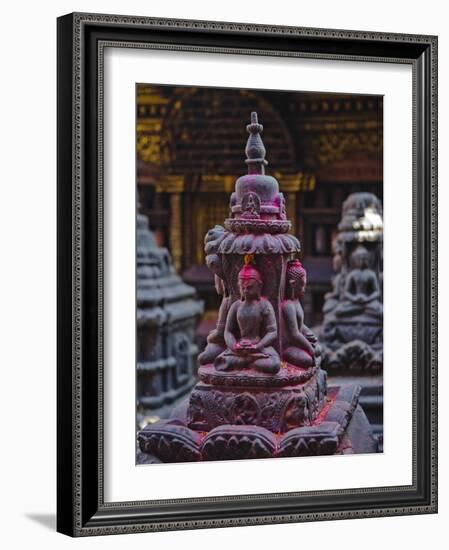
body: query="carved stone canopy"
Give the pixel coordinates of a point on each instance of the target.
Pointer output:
(257, 206)
(361, 218)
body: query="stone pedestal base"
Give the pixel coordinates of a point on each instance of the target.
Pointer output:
(341, 427)
(370, 399)
(352, 345)
(293, 397)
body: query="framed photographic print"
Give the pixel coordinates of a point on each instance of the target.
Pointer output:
(246, 274)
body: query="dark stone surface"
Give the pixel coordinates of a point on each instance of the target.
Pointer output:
(230, 442)
(360, 435)
(322, 439)
(275, 408)
(370, 399)
(167, 311)
(170, 441)
(287, 376)
(342, 429)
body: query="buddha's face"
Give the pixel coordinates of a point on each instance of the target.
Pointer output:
(297, 287)
(360, 260)
(249, 289)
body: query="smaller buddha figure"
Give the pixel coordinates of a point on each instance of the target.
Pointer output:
(251, 328)
(251, 206)
(282, 208)
(299, 344)
(215, 341)
(361, 293)
(332, 298)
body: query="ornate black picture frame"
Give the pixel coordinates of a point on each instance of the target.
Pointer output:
(81, 510)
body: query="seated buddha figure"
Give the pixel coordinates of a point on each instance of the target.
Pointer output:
(299, 344)
(215, 341)
(361, 293)
(251, 328)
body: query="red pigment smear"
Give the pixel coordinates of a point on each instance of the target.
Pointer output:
(332, 394)
(290, 369)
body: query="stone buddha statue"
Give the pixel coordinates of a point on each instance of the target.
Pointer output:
(298, 341)
(250, 329)
(361, 293)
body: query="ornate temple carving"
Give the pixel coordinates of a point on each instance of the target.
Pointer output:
(167, 311)
(261, 390)
(352, 330)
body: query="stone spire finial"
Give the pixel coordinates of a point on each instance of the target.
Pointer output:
(255, 150)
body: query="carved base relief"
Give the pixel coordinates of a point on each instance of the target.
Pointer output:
(173, 441)
(278, 409)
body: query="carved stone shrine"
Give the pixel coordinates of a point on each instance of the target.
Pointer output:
(351, 335)
(261, 390)
(352, 330)
(167, 312)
